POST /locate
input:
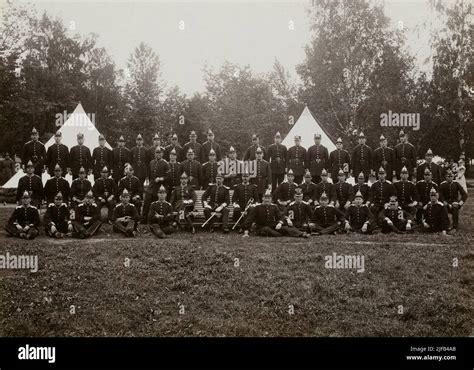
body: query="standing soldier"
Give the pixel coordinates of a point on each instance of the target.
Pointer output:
(343, 192)
(359, 218)
(215, 200)
(35, 152)
(299, 213)
(125, 216)
(159, 171)
(380, 193)
(308, 188)
(317, 158)
(276, 155)
(262, 174)
(133, 185)
(231, 167)
(24, 221)
(160, 217)
(339, 159)
(139, 160)
(175, 170)
(194, 145)
(405, 155)
(57, 154)
(150, 152)
(193, 169)
(406, 193)
(101, 157)
(435, 215)
(250, 152)
(56, 220)
(121, 156)
(80, 187)
(453, 196)
(325, 187)
(244, 194)
(209, 170)
(105, 190)
(325, 219)
(176, 147)
(384, 157)
(295, 159)
(57, 184)
(80, 156)
(433, 167)
(87, 218)
(32, 184)
(362, 186)
(183, 199)
(394, 219)
(423, 188)
(362, 157)
(209, 145)
(285, 192)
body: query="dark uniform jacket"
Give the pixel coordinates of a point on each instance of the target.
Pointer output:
(24, 216)
(326, 216)
(436, 216)
(380, 192)
(397, 216)
(217, 195)
(405, 155)
(181, 193)
(179, 152)
(364, 190)
(242, 194)
(206, 148)
(343, 192)
(231, 167)
(362, 157)
(264, 215)
(263, 175)
(33, 185)
(132, 184)
(158, 168)
(423, 190)
(317, 159)
(101, 156)
(337, 159)
(299, 213)
(209, 172)
(435, 171)
(174, 173)
(452, 192)
(79, 188)
(121, 156)
(122, 210)
(383, 157)
(163, 209)
(139, 159)
(295, 159)
(56, 215)
(325, 187)
(35, 152)
(285, 191)
(80, 156)
(55, 185)
(276, 155)
(250, 152)
(194, 171)
(104, 188)
(196, 147)
(309, 190)
(358, 216)
(406, 192)
(57, 154)
(84, 210)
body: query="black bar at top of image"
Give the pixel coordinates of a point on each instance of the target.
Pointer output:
(241, 352)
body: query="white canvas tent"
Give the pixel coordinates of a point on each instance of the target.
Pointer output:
(77, 122)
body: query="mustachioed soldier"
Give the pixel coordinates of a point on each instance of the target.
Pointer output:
(384, 157)
(105, 190)
(284, 194)
(380, 193)
(405, 155)
(194, 145)
(175, 170)
(435, 215)
(359, 219)
(139, 159)
(216, 199)
(343, 191)
(295, 159)
(263, 174)
(339, 159)
(325, 187)
(326, 219)
(453, 196)
(210, 169)
(423, 188)
(183, 199)
(176, 147)
(231, 166)
(406, 193)
(308, 188)
(362, 157)
(394, 219)
(362, 186)
(244, 194)
(250, 152)
(159, 171)
(150, 152)
(80, 187)
(433, 167)
(299, 213)
(209, 145)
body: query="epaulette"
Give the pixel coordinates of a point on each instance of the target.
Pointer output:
(51, 205)
(81, 204)
(18, 207)
(441, 204)
(167, 202)
(64, 204)
(444, 182)
(32, 206)
(118, 205)
(292, 203)
(226, 187)
(205, 163)
(388, 181)
(319, 206)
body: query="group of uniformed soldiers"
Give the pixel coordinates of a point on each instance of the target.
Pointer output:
(288, 192)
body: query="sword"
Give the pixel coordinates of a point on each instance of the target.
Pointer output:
(209, 219)
(249, 203)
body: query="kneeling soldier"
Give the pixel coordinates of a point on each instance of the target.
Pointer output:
(435, 215)
(125, 216)
(245, 194)
(160, 216)
(326, 219)
(299, 213)
(25, 220)
(219, 199)
(56, 219)
(394, 219)
(87, 218)
(104, 190)
(359, 218)
(183, 199)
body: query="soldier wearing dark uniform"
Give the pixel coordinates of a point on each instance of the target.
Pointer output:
(339, 159)
(394, 219)
(435, 216)
(384, 157)
(343, 192)
(262, 174)
(121, 156)
(423, 188)
(299, 213)
(405, 155)
(80, 156)
(35, 152)
(80, 187)
(183, 199)
(406, 193)
(245, 194)
(125, 216)
(139, 160)
(326, 219)
(194, 145)
(175, 171)
(250, 152)
(325, 187)
(105, 191)
(56, 220)
(317, 158)
(133, 185)
(295, 159)
(231, 168)
(159, 171)
(160, 217)
(362, 157)
(193, 169)
(453, 196)
(359, 219)
(176, 147)
(32, 184)
(57, 153)
(276, 156)
(101, 157)
(284, 194)
(150, 152)
(209, 170)
(362, 187)
(57, 184)
(216, 199)
(308, 188)
(209, 145)
(24, 221)
(433, 167)
(380, 193)
(87, 218)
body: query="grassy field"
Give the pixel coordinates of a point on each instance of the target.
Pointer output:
(194, 286)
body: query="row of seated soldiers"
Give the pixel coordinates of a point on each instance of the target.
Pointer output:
(292, 209)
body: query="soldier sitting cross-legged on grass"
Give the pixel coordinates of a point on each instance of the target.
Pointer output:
(125, 216)
(25, 220)
(160, 216)
(215, 201)
(358, 216)
(326, 219)
(394, 219)
(87, 218)
(183, 199)
(56, 220)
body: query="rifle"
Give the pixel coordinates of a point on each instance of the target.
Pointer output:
(209, 219)
(249, 203)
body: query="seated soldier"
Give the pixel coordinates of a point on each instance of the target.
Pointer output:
(25, 220)
(363, 187)
(104, 190)
(343, 192)
(394, 219)
(87, 218)
(215, 200)
(56, 220)
(160, 216)
(453, 196)
(56, 184)
(125, 216)
(299, 213)
(309, 188)
(80, 187)
(326, 219)
(182, 200)
(134, 187)
(245, 196)
(406, 193)
(435, 216)
(284, 194)
(359, 219)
